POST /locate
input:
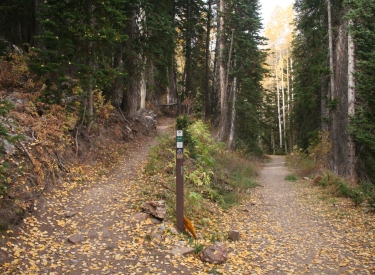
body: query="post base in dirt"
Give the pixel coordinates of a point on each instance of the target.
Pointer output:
(180, 195)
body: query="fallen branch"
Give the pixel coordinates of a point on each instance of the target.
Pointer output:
(26, 152)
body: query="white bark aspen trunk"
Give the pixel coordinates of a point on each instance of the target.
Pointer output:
(143, 87)
(233, 116)
(291, 70)
(283, 99)
(142, 84)
(351, 105)
(287, 81)
(278, 105)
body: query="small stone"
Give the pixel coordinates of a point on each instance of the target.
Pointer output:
(234, 235)
(71, 214)
(8, 147)
(306, 178)
(76, 238)
(182, 251)
(93, 234)
(155, 208)
(214, 254)
(74, 261)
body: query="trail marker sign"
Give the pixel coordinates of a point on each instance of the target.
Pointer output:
(180, 180)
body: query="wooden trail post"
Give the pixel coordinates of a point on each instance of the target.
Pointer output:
(180, 180)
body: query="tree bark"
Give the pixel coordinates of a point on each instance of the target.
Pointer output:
(130, 99)
(171, 89)
(351, 106)
(90, 103)
(333, 93)
(283, 99)
(233, 115)
(223, 88)
(188, 52)
(143, 87)
(278, 104)
(208, 98)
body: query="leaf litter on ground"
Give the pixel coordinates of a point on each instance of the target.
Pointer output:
(285, 228)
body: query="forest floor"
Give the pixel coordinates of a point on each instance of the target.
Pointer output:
(285, 228)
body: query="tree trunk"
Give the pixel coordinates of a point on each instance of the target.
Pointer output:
(278, 104)
(90, 103)
(283, 98)
(288, 82)
(323, 103)
(208, 98)
(223, 88)
(171, 89)
(351, 106)
(130, 99)
(188, 53)
(143, 87)
(233, 115)
(333, 92)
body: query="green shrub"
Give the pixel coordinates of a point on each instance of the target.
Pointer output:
(291, 177)
(210, 172)
(341, 188)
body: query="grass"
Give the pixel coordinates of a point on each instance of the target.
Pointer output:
(291, 177)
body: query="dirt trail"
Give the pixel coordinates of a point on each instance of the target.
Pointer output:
(285, 228)
(97, 217)
(296, 233)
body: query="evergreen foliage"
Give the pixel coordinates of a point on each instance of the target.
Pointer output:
(311, 68)
(248, 68)
(78, 38)
(362, 14)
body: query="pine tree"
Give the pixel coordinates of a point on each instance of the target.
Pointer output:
(77, 39)
(363, 126)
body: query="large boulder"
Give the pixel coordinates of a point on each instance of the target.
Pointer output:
(214, 254)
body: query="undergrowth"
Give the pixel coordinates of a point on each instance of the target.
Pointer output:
(364, 192)
(211, 174)
(45, 146)
(314, 161)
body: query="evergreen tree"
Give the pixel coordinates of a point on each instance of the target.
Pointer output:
(363, 28)
(77, 40)
(247, 68)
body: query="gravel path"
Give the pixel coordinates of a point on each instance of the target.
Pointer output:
(298, 233)
(285, 228)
